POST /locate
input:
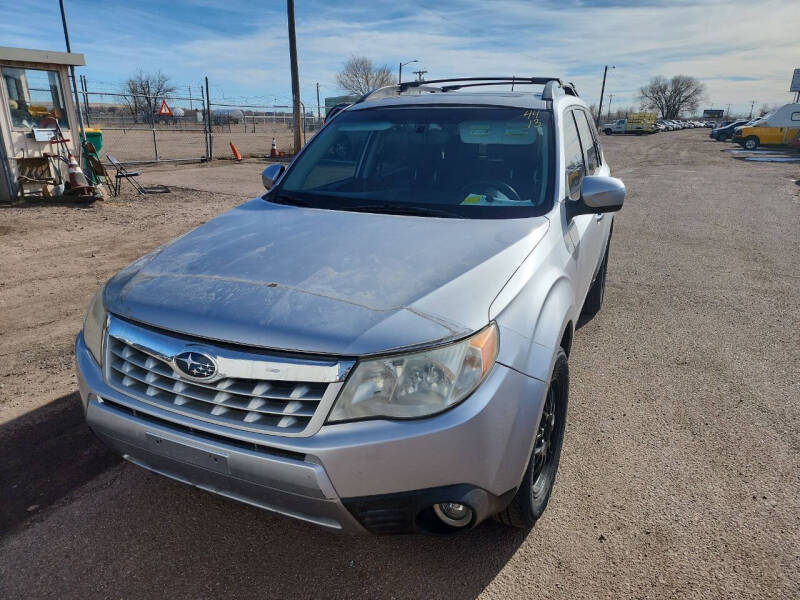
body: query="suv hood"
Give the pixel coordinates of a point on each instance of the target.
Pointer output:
(322, 281)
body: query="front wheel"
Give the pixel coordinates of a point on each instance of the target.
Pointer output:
(534, 492)
(751, 142)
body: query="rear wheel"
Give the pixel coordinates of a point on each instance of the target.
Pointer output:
(751, 142)
(607, 131)
(534, 492)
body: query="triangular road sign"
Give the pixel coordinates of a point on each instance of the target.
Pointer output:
(164, 111)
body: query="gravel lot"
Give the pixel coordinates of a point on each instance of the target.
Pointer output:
(137, 144)
(680, 475)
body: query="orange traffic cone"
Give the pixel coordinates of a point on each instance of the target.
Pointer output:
(236, 155)
(273, 152)
(77, 180)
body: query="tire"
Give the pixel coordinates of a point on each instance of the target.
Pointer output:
(751, 142)
(607, 131)
(534, 492)
(594, 298)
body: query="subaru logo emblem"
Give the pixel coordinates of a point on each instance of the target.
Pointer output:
(197, 365)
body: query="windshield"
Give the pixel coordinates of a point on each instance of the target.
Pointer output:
(453, 161)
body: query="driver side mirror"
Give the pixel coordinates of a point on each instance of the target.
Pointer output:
(598, 195)
(271, 174)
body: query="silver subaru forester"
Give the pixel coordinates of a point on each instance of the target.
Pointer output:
(380, 342)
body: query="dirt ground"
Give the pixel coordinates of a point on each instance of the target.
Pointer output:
(679, 474)
(173, 143)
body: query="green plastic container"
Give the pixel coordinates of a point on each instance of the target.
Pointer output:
(96, 137)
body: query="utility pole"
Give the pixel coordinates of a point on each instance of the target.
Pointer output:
(728, 111)
(602, 91)
(190, 97)
(752, 104)
(419, 74)
(295, 77)
(319, 117)
(72, 71)
(610, 98)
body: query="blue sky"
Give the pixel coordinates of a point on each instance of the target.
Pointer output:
(742, 50)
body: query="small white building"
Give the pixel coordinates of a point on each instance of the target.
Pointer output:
(35, 89)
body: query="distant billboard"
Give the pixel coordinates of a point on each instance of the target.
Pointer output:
(795, 81)
(713, 114)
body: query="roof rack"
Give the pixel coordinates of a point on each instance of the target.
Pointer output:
(553, 86)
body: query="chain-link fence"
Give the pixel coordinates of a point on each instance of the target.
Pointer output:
(171, 127)
(252, 128)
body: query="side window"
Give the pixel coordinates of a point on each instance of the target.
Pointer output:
(587, 141)
(796, 116)
(573, 157)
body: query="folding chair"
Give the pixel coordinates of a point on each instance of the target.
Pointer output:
(123, 173)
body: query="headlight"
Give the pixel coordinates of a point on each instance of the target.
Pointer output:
(94, 325)
(417, 384)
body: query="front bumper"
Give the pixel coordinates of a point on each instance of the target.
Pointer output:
(476, 452)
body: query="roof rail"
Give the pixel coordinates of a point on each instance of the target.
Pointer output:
(394, 90)
(553, 86)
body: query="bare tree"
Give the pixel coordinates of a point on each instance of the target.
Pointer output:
(673, 96)
(765, 108)
(359, 76)
(145, 91)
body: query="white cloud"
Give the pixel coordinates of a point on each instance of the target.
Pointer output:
(742, 50)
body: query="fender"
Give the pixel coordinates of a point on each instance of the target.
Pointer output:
(555, 315)
(533, 310)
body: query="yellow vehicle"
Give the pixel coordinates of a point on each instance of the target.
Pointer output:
(777, 128)
(642, 122)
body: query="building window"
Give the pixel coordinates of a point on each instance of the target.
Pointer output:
(34, 98)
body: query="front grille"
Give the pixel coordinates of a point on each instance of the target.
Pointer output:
(282, 407)
(205, 435)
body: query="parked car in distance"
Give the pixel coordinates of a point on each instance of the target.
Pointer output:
(666, 125)
(724, 133)
(381, 341)
(777, 128)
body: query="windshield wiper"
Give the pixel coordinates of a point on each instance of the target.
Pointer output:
(289, 199)
(400, 209)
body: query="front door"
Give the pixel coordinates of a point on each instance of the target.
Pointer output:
(585, 231)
